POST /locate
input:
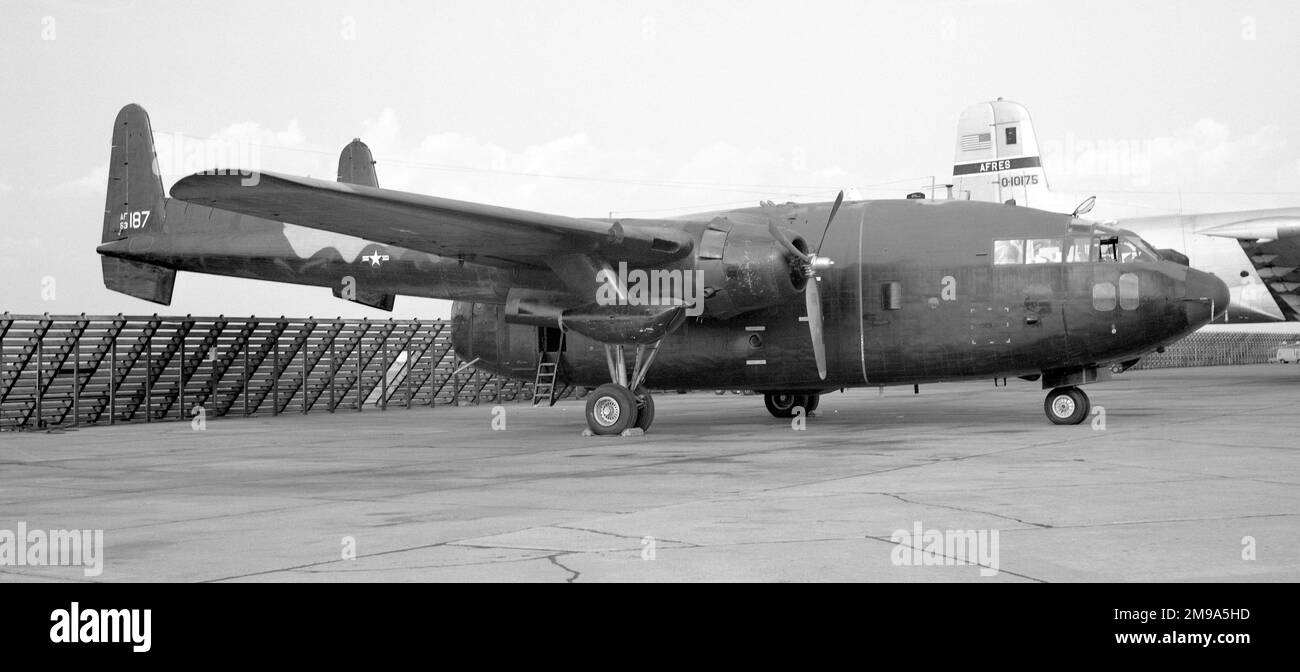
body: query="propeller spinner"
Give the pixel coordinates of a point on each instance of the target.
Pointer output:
(811, 266)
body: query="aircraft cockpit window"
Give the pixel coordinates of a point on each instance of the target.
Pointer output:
(1008, 252)
(1125, 250)
(1131, 250)
(1044, 251)
(1108, 249)
(1142, 251)
(1080, 251)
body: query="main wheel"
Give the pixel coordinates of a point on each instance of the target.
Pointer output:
(813, 401)
(645, 408)
(781, 404)
(611, 409)
(1066, 406)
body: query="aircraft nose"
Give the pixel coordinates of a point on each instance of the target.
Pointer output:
(1207, 298)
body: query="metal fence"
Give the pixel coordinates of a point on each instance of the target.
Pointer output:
(1217, 349)
(72, 370)
(77, 370)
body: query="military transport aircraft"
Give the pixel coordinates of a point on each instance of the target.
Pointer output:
(1256, 252)
(789, 300)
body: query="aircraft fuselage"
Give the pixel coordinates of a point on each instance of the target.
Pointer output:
(914, 296)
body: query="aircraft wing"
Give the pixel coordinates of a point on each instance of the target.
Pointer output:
(482, 234)
(1271, 238)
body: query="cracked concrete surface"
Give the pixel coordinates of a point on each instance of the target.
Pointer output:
(1190, 464)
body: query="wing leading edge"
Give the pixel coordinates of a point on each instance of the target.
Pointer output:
(478, 233)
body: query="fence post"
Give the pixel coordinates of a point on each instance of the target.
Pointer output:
(112, 381)
(247, 375)
(304, 386)
(40, 377)
(383, 380)
(76, 379)
(148, 379)
(180, 373)
(275, 377)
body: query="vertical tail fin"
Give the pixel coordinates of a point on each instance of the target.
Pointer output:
(997, 155)
(134, 208)
(357, 166)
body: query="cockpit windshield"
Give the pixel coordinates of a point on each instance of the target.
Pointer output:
(1125, 248)
(1078, 247)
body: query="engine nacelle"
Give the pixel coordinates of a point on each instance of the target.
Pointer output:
(480, 331)
(745, 269)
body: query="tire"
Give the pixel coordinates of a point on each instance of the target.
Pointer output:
(1066, 406)
(645, 409)
(814, 400)
(610, 410)
(781, 404)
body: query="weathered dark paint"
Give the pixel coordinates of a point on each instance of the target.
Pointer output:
(984, 333)
(959, 316)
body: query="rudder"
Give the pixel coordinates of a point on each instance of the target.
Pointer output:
(357, 165)
(134, 207)
(996, 157)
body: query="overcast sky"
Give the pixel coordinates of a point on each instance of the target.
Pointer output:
(641, 109)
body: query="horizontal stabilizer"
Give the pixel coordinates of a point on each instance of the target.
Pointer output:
(373, 299)
(141, 280)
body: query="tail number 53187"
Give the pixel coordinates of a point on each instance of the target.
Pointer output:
(135, 219)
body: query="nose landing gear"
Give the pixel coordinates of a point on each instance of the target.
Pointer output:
(1066, 406)
(782, 404)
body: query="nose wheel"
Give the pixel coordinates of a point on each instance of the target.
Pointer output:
(1066, 406)
(783, 404)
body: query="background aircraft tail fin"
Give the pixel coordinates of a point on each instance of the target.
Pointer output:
(996, 156)
(357, 166)
(134, 208)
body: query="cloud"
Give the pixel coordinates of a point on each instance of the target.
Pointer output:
(93, 183)
(575, 175)
(1205, 166)
(1205, 156)
(1209, 156)
(239, 146)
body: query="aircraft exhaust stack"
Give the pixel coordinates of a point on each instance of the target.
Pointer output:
(134, 210)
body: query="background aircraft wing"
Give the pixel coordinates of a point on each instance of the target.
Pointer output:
(483, 234)
(1271, 239)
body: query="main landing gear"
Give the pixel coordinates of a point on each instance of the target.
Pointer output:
(1066, 406)
(782, 404)
(623, 406)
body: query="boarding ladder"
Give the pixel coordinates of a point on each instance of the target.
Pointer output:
(548, 369)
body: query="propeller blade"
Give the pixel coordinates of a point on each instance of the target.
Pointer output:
(834, 209)
(813, 301)
(779, 236)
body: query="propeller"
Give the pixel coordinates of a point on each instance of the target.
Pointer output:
(811, 266)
